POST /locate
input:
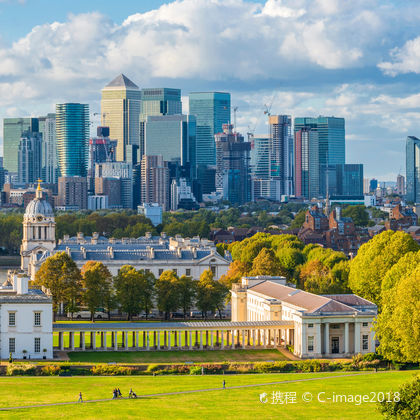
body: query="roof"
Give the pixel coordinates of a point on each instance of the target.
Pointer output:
(122, 81)
(39, 206)
(33, 296)
(351, 300)
(168, 325)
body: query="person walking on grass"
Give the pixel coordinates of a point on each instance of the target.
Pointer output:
(224, 384)
(80, 398)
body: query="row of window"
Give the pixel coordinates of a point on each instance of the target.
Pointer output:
(337, 326)
(161, 270)
(37, 345)
(365, 342)
(12, 319)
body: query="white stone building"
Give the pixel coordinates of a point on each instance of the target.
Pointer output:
(324, 326)
(25, 320)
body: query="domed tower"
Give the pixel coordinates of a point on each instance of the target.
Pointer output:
(38, 228)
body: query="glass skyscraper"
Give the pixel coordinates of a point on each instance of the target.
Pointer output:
(49, 149)
(72, 131)
(331, 145)
(212, 110)
(349, 179)
(413, 169)
(13, 129)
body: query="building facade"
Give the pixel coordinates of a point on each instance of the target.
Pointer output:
(155, 181)
(120, 111)
(30, 157)
(72, 193)
(412, 155)
(72, 131)
(47, 127)
(323, 326)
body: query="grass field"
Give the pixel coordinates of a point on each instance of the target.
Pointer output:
(177, 356)
(216, 404)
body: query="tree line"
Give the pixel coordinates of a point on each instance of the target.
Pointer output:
(132, 291)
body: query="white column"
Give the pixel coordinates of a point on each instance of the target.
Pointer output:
(82, 340)
(253, 338)
(346, 337)
(233, 339)
(372, 341)
(243, 338)
(71, 339)
(158, 339)
(274, 338)
(125, 340)
(356, 337)
(169, 340)
(61, 340)
(265, 338)
(93, 339)
(304, 349)
(222, 340)
(137, 340)
(318, 339)
(211, 340)
(115, 340)
(327, 338)
(201, 340)
(287, 338)
(148, 340)
(190, 340)
(105, 347)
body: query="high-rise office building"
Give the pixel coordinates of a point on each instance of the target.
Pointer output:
(158, 102)
(281, 153)
(260, 165)
(412, 155)
(233, 177)
(120, 111)
(373, 185)
(170, 136)
(30, 157)
(155, 181)
(306, 167)
(122, 171)
(72, 193)
(49, 148)
(13, 129)
(349, 180)
(400, 189)
(72, 131)
(331, 140)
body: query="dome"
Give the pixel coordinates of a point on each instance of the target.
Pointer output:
(37, 207)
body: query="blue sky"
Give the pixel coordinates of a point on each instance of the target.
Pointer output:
(358, 59)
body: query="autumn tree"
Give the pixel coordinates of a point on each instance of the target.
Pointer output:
(266, 264)
(147, 291)
(211, 294)
(187, 289)
(374, 259)
(167, 291)
(59, 274)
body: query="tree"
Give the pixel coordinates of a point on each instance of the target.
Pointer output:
(237, 269)
(298, 220)
(221, 248)
(147, 291)
(167, 290)
(374, 259)
(406, 404)
(59, 274)
(208, 294)
(289, 259)
(266, 264)
(128, 285)
(187, 288)
(398, 323)
(97, 285)
(358, 213)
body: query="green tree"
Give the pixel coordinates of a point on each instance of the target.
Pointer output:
(97, 284)
(209, 295)
(406, 404)
(398, 322)
(298, 220)
(128, 286)
(187, 288)
(358, 213)
(289, 259)
(147, 291)
(374, 259)
(59, 274)
(221, 248)
(266, 264)
(167, 291)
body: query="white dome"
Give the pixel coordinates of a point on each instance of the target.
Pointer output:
(37, 207)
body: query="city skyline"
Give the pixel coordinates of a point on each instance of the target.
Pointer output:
(368, 79)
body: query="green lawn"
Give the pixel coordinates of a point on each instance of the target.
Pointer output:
(177, 356)
(220, 404)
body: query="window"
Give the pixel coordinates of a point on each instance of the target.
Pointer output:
(213, 269)
(37, 319)
(37, 345)
(160, 271)
(147, 270)
(12, 319)
(310, 343)
(310, 325)
(365, 324)
(175, 271)
(335, 326)
(188, 272)
(365, 342)
(12, 345)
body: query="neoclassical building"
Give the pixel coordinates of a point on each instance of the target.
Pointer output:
(155, 254)
(323, 325)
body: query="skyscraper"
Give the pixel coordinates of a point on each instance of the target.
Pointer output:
(281, 153)
(155, 181)
(120, 111)
(306, 166)
(49, 148)
(158, 102)
(29, 157)
(72, 131)
(349, 180)
(400, 185)
(331, 141)
(412, 155)
(233, 178)
(13, 129)
(212, 110)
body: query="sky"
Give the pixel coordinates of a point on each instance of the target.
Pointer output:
(357, 59)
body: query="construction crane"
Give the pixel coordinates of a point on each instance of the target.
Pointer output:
(103, 117)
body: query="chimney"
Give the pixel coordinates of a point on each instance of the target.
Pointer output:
(110, 250)
(20, 284)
